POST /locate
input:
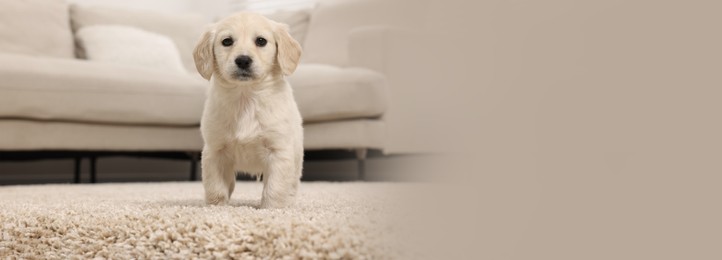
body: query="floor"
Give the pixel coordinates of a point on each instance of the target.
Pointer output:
(127, 169)
(169, 220)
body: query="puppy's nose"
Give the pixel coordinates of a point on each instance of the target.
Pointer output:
(244, 62)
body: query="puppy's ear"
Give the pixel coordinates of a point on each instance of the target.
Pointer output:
(288, 51)
(203, 54)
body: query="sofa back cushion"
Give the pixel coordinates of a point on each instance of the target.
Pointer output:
(297, 21)
(183, 29)
(131, 46)
(332, 20)
(36, 27)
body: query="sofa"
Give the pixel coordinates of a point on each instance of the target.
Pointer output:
(54, 99)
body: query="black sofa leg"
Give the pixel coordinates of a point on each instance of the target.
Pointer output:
(76, 177)
(361, 157)
(194, 166)
(93, 169)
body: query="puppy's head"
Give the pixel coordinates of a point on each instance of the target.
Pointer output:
(246, 47)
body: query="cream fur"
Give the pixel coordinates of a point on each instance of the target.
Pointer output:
(250, 125)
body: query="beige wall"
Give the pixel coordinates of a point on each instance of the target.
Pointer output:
(588, 129)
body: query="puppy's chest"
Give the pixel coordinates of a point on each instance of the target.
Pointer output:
(246, 121)
(249, 127)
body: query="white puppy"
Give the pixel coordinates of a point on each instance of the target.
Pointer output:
(250, 122)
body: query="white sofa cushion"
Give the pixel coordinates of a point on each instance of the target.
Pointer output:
(36, 27)
(78, 90)
(326, 92)
(184, 29)
(128, 45)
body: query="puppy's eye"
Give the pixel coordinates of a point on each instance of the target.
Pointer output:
(260, 42)
(227, 42)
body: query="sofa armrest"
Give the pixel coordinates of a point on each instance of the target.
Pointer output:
(397, 54)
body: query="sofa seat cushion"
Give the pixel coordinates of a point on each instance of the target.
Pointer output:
(325, 92)
(83, 91)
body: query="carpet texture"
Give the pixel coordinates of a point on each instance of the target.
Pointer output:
(170, 221)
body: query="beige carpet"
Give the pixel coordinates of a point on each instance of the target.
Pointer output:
(169, 220)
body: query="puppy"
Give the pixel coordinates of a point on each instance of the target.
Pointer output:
(250, 122)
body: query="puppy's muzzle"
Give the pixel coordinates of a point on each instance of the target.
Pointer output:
(245, 70)
(244, 62)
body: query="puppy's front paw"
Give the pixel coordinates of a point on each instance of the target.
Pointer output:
(276, 203)
(218, 198)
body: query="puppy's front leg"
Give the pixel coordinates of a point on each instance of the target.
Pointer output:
(218, 177)
(280, 180)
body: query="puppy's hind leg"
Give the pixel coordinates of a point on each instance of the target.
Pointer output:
(280, 180)
(219, 178)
